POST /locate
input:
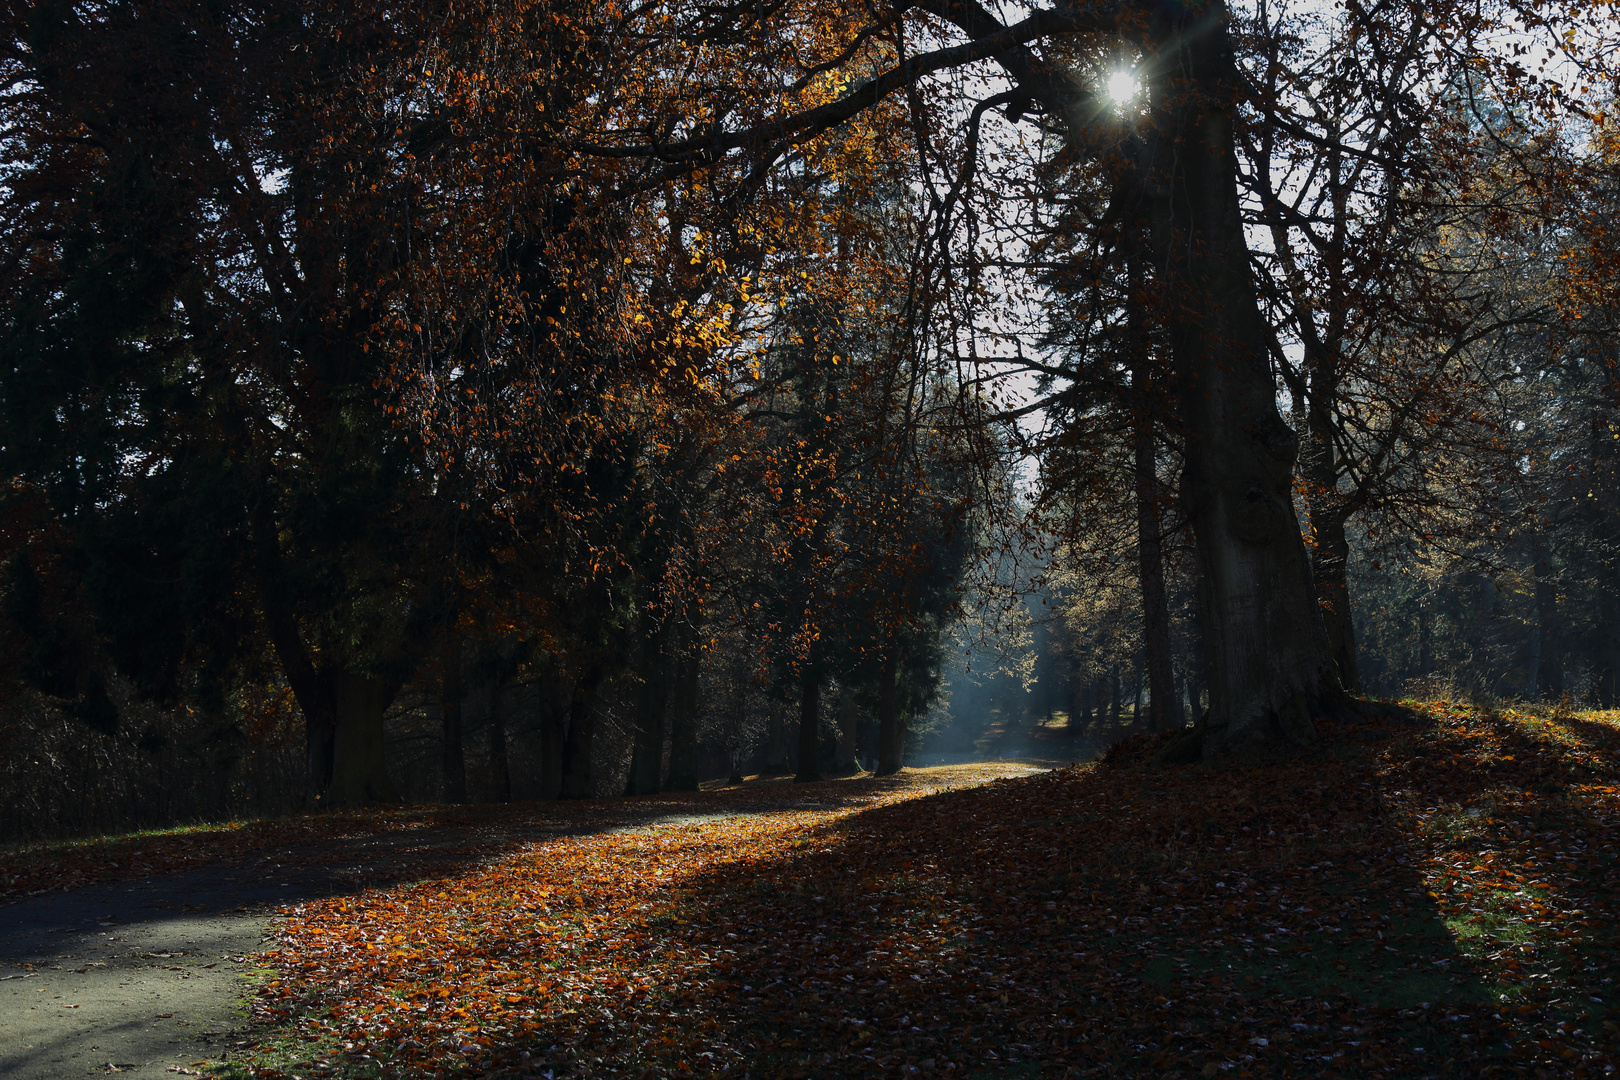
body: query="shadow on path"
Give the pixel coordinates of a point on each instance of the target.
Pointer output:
(146, 975)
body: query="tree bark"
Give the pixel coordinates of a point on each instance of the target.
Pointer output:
(776, 747)
(1155, 606)
(1331, 564)
(809, 728)
(313, 689)
(849, 720)
(320, 735)
(1270, 661)
(1425, 653)
(553, 735)
(1608, 648)
(577, 782)
(359, 772)
(683, 721)
(452, 695)
(891, 737)
(1550, 666)
(1136, 693)
(1149, 532)
(500, 775)
(647, 753)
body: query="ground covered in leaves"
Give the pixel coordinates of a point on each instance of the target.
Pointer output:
(1417, 899)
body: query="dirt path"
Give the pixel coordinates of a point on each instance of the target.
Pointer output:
(148, 977)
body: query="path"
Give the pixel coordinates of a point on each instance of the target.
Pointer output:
(146, 978)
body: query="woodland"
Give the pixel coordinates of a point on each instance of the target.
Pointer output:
(462, 411)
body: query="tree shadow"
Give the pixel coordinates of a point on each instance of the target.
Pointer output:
(1157, 922)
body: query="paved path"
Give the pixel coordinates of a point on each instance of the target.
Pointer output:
(148, 978)
(144, 977)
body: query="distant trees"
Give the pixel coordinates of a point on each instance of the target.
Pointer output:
(331, 369)
(371, 360)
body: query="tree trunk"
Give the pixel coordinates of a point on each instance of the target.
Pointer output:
(809, 728)
(866, 741)
(1550, 666)
(1113, 696)
(553, 734)
(1485, 634)
(1532, 665)
(320, 734)
(1425, 656)
(1198, 676)
(577, 782)
(1136, 693)
(452, 694)
(646, 756)
(1608, 649)
(313, 689)
(1149, 533)
(500, 776)
(359, 773)
(1331, 568)
(683, 721)
(849, 720)
(891, 738)
(776, 748)
(1271, 665)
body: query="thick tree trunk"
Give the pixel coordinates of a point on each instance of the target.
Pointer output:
(1550, 667)
(577, 782)
(320, 735)
(1149, 532)
(1271, 666)
(359, 773)
(1198, 675)
(652, 703)
(1150, 566)
(891, 737)
(500, 775)
(809, 729)
(683, 722)
(452, 695)
(312, 689)
(1113, 696)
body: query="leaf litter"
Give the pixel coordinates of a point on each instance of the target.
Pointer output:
(1430, 899)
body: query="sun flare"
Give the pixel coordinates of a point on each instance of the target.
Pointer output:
(1122, 86)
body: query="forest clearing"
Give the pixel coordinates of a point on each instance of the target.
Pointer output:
(1429, 898)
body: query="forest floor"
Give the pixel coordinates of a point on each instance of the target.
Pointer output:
(1434, 898)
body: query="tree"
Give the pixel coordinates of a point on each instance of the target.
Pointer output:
(1272, 664)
